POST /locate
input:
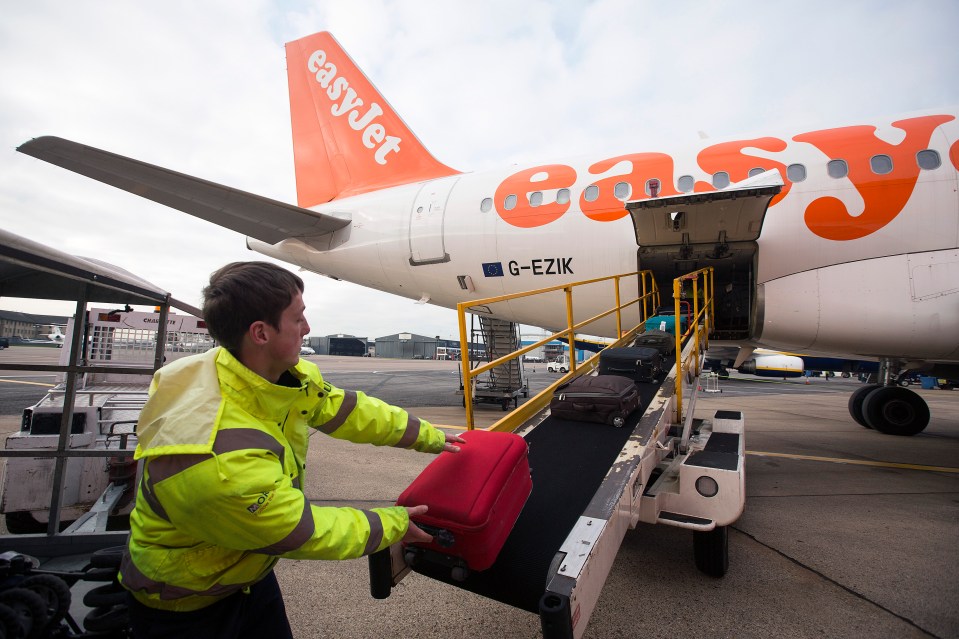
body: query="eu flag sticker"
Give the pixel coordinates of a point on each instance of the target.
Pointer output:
(493, 269)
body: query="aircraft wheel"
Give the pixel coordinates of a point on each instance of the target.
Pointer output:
(894, 410)
(855, 403)
(711, 551)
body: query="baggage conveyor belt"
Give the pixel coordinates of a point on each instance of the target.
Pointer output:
(568, 461)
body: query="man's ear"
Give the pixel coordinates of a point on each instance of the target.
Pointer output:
(258, 333)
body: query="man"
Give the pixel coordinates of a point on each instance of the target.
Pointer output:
(224, 439)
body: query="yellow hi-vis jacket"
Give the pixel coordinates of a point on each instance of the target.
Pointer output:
(221, 498)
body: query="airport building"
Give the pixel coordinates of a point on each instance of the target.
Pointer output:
(407, 346)
(14, 324)
(340, 344)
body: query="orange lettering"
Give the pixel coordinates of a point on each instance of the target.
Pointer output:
(954, 155)
(607, 207)
(728, 156)
(884, 195)
(523, 214)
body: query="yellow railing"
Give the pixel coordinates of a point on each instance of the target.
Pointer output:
(700, 334)
(648, 299)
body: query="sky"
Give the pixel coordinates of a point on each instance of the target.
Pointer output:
(200, 88)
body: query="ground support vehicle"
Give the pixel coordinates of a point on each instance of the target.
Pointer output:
(592, 483)
(558, 366)
(502, 384)
(105, 410)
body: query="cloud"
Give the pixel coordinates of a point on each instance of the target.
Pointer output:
(201, 88)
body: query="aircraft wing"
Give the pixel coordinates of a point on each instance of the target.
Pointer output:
(262, 218)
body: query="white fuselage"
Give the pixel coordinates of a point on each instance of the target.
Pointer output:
(864, 263)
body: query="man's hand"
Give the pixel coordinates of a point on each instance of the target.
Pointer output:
(450, 441)
(414, 534)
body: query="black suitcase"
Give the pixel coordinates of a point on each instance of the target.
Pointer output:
(639, 363)
(662, 340)
(605, 399)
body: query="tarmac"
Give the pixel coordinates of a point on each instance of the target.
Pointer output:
(846, 533)
(868, 547)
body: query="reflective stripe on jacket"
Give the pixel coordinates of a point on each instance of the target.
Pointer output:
(222, 491)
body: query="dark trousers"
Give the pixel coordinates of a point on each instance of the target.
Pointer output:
(257, 615)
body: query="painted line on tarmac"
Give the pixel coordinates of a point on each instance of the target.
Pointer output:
(19, 381)
(857, 462)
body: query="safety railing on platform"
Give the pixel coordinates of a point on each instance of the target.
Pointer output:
(698, 327)
(645, 302)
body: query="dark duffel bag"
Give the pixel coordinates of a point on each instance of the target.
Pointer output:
(604, 399)
(638, 363)
(663, 340)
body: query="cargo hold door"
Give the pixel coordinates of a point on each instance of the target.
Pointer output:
(683, 233)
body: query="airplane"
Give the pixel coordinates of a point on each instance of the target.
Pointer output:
(55, 336)
(763, 362)
(840, 241)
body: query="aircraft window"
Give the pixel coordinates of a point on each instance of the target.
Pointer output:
(796, 172)
(653, 187)
(562, 196)
(756, 171)
(592, 193)
(621, 190)
(881, 164)
(685, 183)
(837, 169)
(535, 198)
(721, 180)
(486, 205)
(928, 159)
(510, 202)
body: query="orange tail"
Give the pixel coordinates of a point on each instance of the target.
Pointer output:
(346, 137)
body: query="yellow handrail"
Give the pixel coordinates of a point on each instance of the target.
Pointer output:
(650, 293)
(706, 313)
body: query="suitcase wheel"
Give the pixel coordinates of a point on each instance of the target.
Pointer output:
(618, 422)
(459, 573)
(411, 557)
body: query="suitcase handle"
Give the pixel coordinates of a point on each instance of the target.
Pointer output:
(441, 536)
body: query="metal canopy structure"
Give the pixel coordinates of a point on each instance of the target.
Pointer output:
(33, 270)
(29, 269)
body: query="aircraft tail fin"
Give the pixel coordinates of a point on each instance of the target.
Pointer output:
(346, 138)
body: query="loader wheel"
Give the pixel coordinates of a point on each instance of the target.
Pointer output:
(855, 403)
(711, 551)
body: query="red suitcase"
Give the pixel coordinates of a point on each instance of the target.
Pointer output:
(474, 498)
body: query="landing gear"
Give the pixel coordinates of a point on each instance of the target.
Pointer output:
(895, 411)
(889, 408)
(856, 400)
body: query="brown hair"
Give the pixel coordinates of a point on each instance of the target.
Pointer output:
(242, 293)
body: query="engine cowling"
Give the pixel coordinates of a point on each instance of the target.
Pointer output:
(773, 366)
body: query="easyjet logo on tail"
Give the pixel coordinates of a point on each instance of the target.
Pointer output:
(346, 102)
